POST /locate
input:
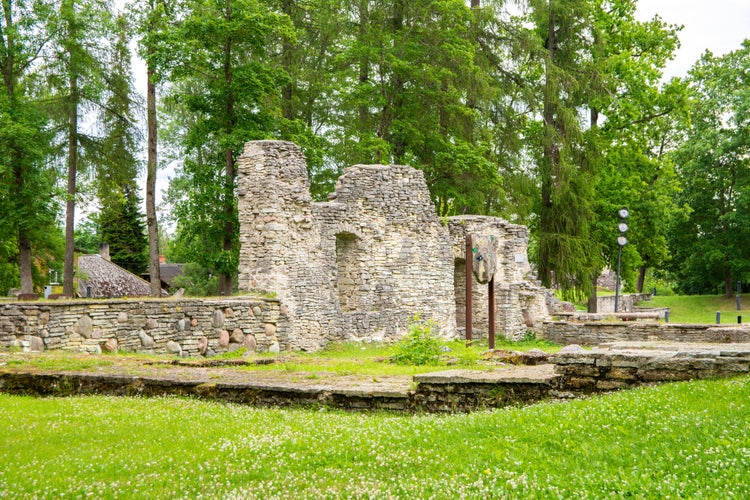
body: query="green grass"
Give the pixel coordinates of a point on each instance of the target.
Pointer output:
(701, 309)
(345, 358)
(685, 440)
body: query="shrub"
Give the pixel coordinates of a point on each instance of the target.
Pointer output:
(420, 346)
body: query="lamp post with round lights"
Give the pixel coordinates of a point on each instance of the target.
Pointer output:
(621, 242)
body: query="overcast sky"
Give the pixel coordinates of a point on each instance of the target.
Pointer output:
(717, 25)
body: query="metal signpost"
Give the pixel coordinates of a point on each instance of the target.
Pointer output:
(484, 253)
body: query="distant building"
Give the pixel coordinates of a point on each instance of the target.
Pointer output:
(98, 277)
(167, 272)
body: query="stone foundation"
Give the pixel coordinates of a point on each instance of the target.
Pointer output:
(596, 333)
(620, 367)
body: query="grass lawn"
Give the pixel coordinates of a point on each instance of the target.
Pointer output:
(676, 440)
(345, 358)
(701, 309)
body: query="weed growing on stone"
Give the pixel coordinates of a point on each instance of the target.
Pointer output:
(683, 440)
(420, 346)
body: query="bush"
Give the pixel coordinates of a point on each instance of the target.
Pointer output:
(420, 346)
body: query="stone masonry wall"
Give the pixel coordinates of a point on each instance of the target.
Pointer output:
(280, 242)
(356, 267)
(389, 257)
(596, 333)
(606, 370)
(520, 303)
(184, 326)
(625, 302)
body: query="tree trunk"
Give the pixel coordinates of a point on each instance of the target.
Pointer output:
(549, 163)
(70, 206)
(24, 263)
(728, 292)
(364, 71)
(641, 279)
(287, 92)
(593, 303)
(24, 245)
(226, 279)
(151, 170)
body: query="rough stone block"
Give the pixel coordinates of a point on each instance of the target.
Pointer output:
(223, 338)
(623, 373)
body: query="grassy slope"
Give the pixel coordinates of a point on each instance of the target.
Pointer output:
(701, 308)
(676, 440)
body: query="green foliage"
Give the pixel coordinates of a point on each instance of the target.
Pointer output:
(87, 236)
(225, 93)
(197, 281)
(662, 281)
(676, 440)
(713, 162)
(27, 207)
(420, 346)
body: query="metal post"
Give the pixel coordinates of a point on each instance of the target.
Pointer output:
(469, 258)
(718, 318)
(617, 283)
(666, 316)
(491, 305)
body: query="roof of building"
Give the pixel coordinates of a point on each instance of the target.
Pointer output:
(107, 279)
(168, 272)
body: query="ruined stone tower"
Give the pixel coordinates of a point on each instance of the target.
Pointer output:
(359, 266)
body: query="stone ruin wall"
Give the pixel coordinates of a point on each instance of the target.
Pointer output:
(187, 327)
(386, 252)
(360, 265)
(281, 248)
(356, 267)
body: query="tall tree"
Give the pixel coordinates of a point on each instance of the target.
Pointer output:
(117, 170)
(409, 94)
(75, 74)
(567, 159)
(154, 15)
(714, 167)
(631, 121)
(26, 210)
(223, 76)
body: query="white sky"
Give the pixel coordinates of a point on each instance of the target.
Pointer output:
(717, 25)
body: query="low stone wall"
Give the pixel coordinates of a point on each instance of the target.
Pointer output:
(183, 327)
(467, 390)
(625, 302)
(605, 369)
(596, 333)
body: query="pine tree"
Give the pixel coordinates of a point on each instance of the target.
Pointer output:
(75, 74)
(566, 165)
(120, 221)
(122, 227)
